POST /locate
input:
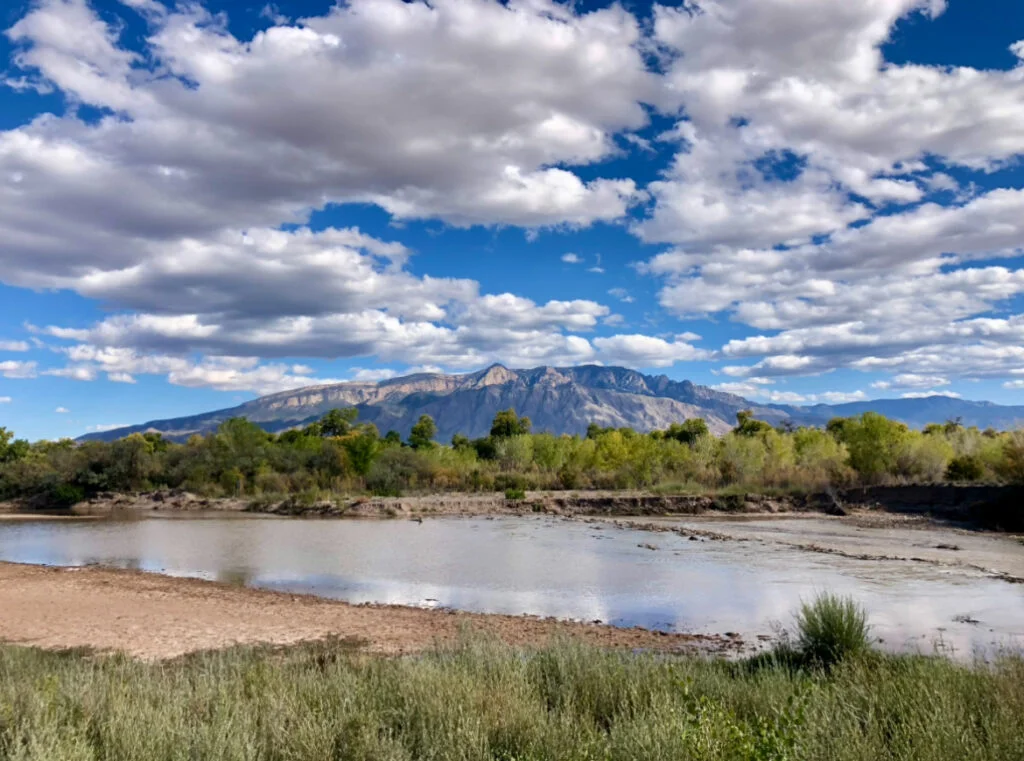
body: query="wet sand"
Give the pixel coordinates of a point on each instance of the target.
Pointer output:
(154, 617)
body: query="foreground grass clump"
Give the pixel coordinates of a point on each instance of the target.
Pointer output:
(483, 700)
(831, 628)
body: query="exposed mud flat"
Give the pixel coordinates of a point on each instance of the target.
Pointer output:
(154, 617)
(864, 535)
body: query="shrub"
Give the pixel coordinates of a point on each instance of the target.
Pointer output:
(397, 469)
(515, 495)
(965, 468)
(1012, 466)
(831, 628)
(65, 495)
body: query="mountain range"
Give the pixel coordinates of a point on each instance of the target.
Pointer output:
(557, 400)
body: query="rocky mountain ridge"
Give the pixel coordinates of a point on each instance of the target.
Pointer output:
(557, 400)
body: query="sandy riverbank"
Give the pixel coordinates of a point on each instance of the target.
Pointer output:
(153, 616)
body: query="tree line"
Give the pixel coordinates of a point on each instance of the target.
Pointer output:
(339, 455)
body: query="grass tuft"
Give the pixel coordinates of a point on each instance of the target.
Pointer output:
(832, 628)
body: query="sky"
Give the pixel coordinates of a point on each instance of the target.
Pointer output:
(799, 201)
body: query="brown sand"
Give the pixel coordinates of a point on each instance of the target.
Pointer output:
(152, 616)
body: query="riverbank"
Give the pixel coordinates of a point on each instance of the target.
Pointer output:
(992, 507)
(155, 617)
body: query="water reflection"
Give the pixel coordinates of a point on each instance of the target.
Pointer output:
(542, 567)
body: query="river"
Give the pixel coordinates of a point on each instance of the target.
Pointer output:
(550, 567)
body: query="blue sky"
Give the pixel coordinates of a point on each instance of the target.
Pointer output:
(799, 202)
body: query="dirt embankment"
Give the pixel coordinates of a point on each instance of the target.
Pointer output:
(153, 616)
(995, 507)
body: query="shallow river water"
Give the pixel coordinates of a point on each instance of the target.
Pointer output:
(547, 567)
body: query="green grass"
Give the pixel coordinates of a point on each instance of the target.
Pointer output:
(831, 628)
(483, 700)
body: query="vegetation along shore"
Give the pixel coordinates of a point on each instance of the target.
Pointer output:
(340, 466)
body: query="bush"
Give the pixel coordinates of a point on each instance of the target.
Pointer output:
(832, 628)
(515, 495)
(1012, 466)
(966, 468)
(397, 469)
(65, 495)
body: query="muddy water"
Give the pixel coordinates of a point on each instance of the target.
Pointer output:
(556, 568)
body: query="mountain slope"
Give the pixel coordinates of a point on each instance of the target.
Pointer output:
(558, 400)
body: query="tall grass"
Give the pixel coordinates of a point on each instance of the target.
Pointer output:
(831, 628)
(481, 700)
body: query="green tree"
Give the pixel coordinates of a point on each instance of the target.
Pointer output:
(874, 442)
(362, 448)
(12, 449)
(392, 439)
(507, 424)
(747, 425)
(688, 431)
(423, 433)
(461, 442)
(338, 422)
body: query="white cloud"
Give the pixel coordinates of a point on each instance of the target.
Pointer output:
(755, 388)
(911, 380)
(790, 128)
(5, 400)
(796, 128)
(647, 351)
(838, 397)
(74, 372)
(373, 374)
(459, 109)
(926, 394)
(62, 410)
(14, 369)
(102, 427)
(622, 295)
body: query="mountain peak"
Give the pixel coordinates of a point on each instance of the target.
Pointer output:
(495, 375)
(557, 399)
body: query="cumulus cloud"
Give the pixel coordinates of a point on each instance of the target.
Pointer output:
(757, 388)
(16, 369)
(926, 394)
(911, 380)
(5, 400)
(458, 109)
(796, 129)
(815, 192)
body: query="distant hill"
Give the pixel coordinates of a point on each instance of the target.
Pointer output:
(558, 400)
